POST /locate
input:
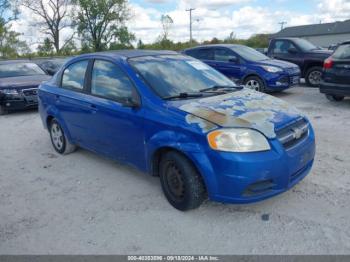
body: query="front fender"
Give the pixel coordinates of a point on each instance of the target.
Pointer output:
(191, 146)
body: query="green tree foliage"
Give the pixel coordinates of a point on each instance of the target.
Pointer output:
(101, 22)
(10, 45)
(46, 49)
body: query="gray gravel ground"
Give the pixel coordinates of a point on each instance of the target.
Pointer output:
(86, 204)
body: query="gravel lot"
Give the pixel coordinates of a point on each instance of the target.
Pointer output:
(85, 204)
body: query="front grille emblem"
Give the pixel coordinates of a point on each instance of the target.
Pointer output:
(297, 132)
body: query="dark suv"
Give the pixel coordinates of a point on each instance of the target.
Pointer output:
(336, 74)
(299, 51)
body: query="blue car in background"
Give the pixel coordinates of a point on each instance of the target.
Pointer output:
(245, 65)
(175, 117)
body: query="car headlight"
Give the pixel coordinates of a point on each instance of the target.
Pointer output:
(9, 91)
(272, 69)
(238, 140)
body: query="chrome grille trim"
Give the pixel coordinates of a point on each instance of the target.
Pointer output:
(294, 133)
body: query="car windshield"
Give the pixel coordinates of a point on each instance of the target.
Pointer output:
(171, 75)
(20, 69)
(305, 45)
(342, 52)
(249, 54)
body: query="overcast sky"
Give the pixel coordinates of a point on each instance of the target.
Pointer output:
(215, 18)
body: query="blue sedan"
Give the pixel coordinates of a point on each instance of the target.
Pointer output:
(175, 117)
(246, 66)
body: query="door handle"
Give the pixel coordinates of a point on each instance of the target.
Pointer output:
(93, 108)
(57, 98)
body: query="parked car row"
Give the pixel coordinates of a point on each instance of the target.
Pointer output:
(336, 75)
(248, 67)
(19, 81)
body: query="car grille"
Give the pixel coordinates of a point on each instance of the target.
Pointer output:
(293, 71)
(294, 133)
(30, 92)
(294, 80)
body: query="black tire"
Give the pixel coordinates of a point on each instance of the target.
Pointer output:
(335, 98)
(181, 183)
(254, 83)
(313, 76)
(59, 140)
(3, 111)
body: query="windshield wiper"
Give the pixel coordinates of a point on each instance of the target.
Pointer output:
(183, 96)
(217, 88)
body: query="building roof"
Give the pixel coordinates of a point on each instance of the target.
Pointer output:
(316, 29)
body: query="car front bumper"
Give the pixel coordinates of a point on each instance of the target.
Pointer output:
(18, 102)
(282, 82)
(251, 177)
(335, 89)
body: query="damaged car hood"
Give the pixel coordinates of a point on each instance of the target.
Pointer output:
(244, 108)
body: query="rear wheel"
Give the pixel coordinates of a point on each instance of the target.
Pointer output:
(59, 139)
(181, 183)
(335, 98)
(313, 76)
(254, 83)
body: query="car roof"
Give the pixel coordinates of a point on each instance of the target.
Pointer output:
(345, 43)
(214, 45)
(130, 53)
(6, 62)
(287, 38)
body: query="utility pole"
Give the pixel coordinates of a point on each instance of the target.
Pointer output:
(190, 10)
(282, 24)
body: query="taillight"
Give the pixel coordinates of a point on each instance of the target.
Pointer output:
(328, 63)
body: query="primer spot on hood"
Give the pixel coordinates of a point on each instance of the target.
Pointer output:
(205, 125)
(245, 108)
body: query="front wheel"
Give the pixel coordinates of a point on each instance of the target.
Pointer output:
(59, 139)
(335, 98)
(181, 183)
(313, 76)
(254, 83)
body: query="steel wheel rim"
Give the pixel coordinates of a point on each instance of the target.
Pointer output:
(315, 77)
(253, 85)
(57, 136)
(174, 182)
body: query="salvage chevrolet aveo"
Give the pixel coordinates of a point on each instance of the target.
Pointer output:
(175, 117)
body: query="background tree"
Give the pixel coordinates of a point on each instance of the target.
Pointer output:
(124, 40)
(10, 45)
(54, 17)
(102, 22)
(46, 49)
(167, 22)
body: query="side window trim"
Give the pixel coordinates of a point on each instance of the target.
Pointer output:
(89, 80)
(209, 50)
(84, 90)
(226, 50)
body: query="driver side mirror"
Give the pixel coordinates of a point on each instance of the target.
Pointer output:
(292, 50)
(132, 102)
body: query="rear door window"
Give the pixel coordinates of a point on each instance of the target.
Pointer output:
(205, 54)
(74, 76)
(342, 52)
(224, 55)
